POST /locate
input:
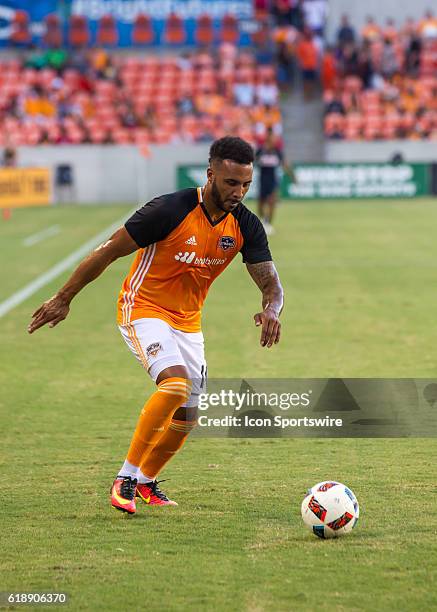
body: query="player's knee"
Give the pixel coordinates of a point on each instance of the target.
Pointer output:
(177, 390)
(186, 413)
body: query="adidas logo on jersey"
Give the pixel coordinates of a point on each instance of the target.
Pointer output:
(192, 241)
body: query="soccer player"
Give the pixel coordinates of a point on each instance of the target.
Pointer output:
(269, 158)
(183, 241)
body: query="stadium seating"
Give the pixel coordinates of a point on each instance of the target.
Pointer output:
(204, 34)
(20, 28)
(175, 33)
(137, 99)
(107, 35)
(398, 100)
(52, 37)
(79, 34)
(230, 32)
(142, 32)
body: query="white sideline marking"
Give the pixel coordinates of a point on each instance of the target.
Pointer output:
(42, 235)
(67, 263)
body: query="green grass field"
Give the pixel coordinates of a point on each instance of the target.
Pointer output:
(360, 282)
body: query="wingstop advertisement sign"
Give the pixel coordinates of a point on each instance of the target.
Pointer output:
(338, 181)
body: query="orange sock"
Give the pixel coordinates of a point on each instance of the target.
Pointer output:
(168, 444)
(156, 415)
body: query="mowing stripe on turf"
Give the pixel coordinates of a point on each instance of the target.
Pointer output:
(67, 263)
(53, 230)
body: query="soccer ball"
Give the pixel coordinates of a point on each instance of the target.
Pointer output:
(330, 509)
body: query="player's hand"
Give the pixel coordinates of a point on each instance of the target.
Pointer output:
(271, 327)
(52, 312)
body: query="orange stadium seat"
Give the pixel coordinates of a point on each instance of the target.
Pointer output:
(352, 133)
(229, 31)
(175, 33)
(79, 34)
(46, 76)
(204, 33)
(97, 134)
(20, 28)
(142, 31)
(261, 35)
(29, 76)
(122, 136)
(107, 33)
(52, 37)
(353, 84)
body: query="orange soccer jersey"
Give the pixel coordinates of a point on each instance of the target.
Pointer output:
(181, 252)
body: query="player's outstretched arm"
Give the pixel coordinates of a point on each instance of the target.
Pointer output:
(266, 277)
(57, 308)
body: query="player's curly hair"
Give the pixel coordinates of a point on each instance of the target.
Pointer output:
(233, 148)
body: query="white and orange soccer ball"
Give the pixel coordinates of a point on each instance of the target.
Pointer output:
(330, 509)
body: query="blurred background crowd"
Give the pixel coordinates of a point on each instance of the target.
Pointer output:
(76, 85)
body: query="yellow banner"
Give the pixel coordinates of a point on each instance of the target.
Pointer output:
(24, 187)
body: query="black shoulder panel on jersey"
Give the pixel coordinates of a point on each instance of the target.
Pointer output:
(255, 247)
(156, 219)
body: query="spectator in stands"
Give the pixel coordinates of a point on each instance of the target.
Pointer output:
(315, 13)
(328, 70)
(100, 63)
(365, 67)
(390, 31)
(267, 117)
(148, 119)
(286, 39)
(307, 55)
(184, 106)
(65, 105)
(282, 11)
(428, 26)
(267, 92)
(335, 104)
(297, 15)
(285, 65)
(371, 30)
(244, 92)
(209, 103)
(346, 32)
(389, 61)
(349, 60)
(127, 115)
(412, 53)
(37, 104)
(394, 96)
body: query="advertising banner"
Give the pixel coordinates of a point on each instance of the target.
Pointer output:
(320, 181)
(36, 10)
(24, 187)
(337, 181)
(125, 13)
(127, 10)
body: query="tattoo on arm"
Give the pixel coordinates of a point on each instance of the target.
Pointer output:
(266, 277)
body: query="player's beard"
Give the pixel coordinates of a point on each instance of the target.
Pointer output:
(216, 197)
